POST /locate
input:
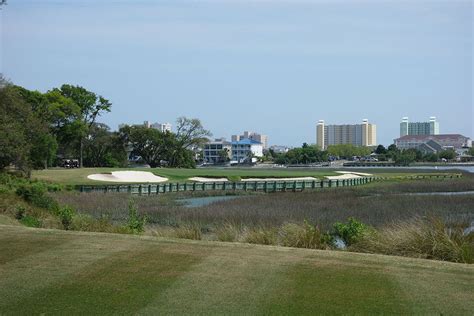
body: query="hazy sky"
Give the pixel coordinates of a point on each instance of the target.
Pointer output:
(275, 67)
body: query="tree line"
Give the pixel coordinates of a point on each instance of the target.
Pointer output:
(308, 154)
(38, 130)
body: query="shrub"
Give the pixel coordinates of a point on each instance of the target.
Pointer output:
(188, 232)
(66, 214)
(35, 193)
(421, 238)
(304, 236)
(351, 231)
(20, 212)
(228, 232)
(261, 235)
(84, 222)
(30, 221)
(136, 223)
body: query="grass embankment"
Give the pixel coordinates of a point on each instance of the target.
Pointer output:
(57, 272)
(79, 176)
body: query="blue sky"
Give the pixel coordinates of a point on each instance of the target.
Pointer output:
(271, 66)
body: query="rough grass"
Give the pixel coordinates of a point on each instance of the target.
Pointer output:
(375, 205)
(58, 272)
(424, 238)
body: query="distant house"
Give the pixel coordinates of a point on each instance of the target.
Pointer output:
(246, 149)
(433, 143)
(214, 151)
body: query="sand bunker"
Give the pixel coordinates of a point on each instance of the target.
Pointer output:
(202, 179)
(344, 177)
(127, 176)
(280, 179)
(357, 173)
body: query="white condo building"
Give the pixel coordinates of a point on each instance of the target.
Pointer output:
(245, 149)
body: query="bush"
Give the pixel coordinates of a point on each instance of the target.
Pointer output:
(20, 212)
(261, 235)
(188, 232)
(421, 238)
(304, 236)
(30, 221)
(66, 214)
(35, 193)
(136, 223)
(228, 232)
(87, 223)
(352, 231)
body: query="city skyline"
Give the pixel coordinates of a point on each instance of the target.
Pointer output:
(271, 66)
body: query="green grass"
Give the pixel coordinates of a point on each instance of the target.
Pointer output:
(79, 176)
(58, 272)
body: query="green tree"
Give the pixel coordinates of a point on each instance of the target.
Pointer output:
(224, 155)
(103, 148)
(26, 141)
(348, 150)
(405, 158)
(190, 132)
(447, 154)
(380, 150)
(15, 116)
(431, 157)
(150, 144)
(91, 106)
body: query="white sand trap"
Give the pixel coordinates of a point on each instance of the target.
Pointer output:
(202, 179)
(345, 176)
(357, 173)
(127, 176)
(280, 179)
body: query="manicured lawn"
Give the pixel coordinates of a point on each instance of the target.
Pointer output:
(79, 176)
(58, 272)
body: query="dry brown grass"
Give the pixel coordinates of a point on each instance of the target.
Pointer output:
(420, 237)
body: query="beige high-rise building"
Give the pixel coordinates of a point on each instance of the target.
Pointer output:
(320, 135)
(364, 134)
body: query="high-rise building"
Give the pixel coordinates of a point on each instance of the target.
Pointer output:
(163, 127)
(364, 134)
(253, 136)
(419, 128)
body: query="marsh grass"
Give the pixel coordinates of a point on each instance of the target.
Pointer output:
(366, 203)
(228, 232)
(304, 236)
(283, 218)
(420, 237)
(261, 235)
